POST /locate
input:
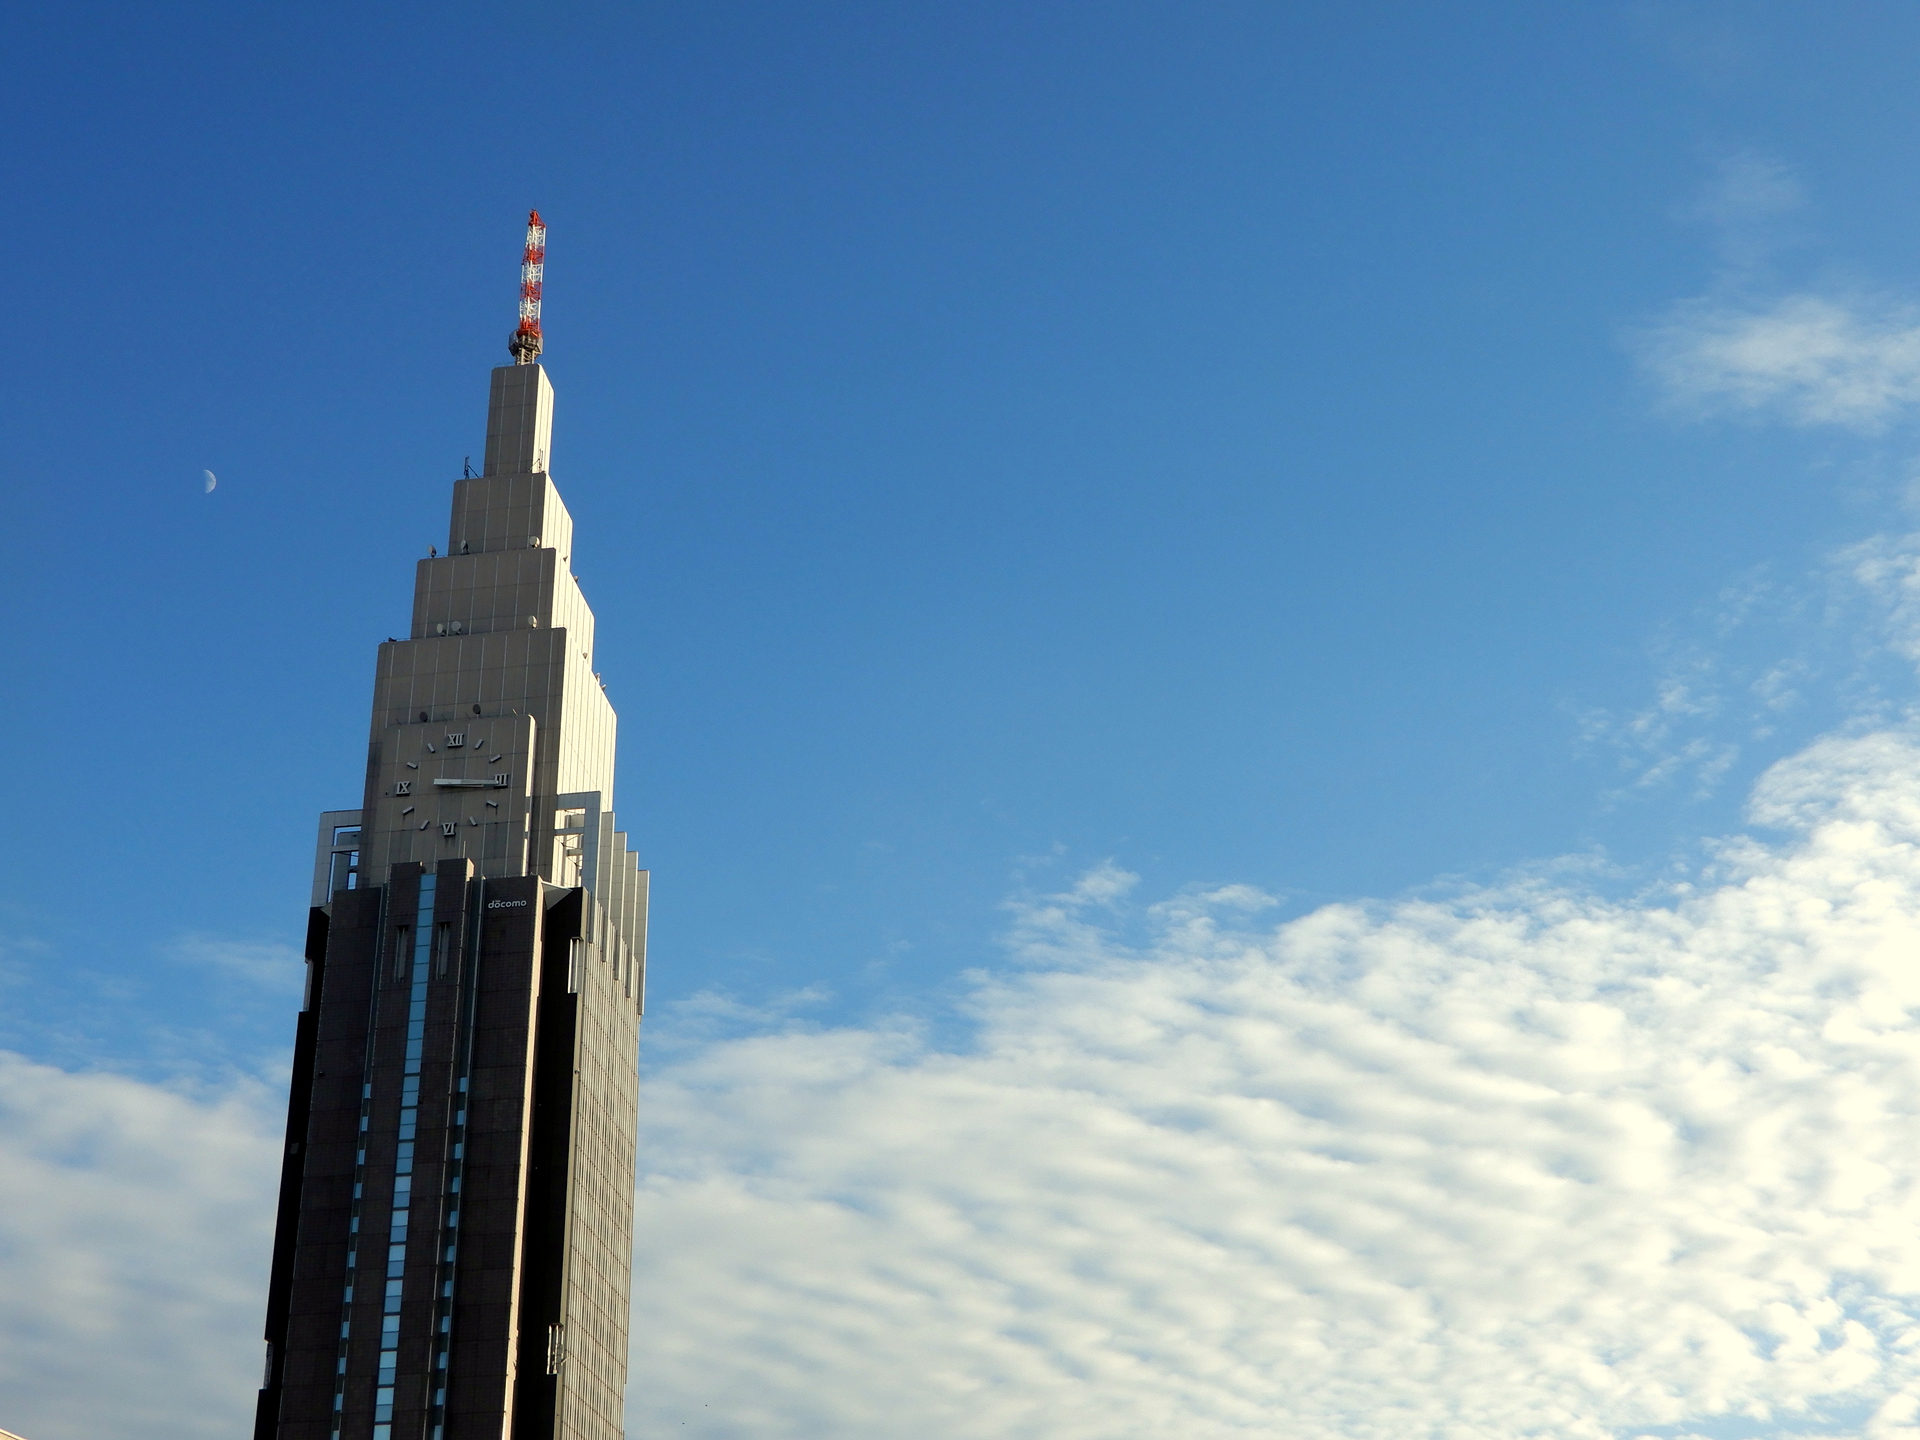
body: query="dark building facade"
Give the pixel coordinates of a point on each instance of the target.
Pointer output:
(456, 1209)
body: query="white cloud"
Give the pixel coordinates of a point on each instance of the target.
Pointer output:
(135, 1228)
(1527, 1164)
(1887, 567)
(1767, 665)
(1806, 359)
(1749, 188)
(1746, 203)
(1841, 358)
(1679, 733)
(268, 964)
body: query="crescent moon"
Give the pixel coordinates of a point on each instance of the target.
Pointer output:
(211, 481)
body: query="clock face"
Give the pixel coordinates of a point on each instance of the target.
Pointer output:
(453, 791)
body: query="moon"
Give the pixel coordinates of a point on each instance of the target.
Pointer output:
(211, 481)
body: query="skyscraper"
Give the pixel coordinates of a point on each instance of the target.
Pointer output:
(456, 1204)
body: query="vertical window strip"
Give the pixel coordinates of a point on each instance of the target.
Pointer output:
(417, 938)
(353, 1257)
(403, 1161)
(447, 1244)
(450, 1226)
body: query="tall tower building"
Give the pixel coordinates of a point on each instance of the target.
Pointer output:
(456, 1205)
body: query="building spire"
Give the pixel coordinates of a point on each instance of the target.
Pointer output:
(525, 343)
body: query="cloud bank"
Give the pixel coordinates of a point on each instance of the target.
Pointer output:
(136, 1224)
(1524, 1162)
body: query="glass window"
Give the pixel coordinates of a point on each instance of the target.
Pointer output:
(344, 871)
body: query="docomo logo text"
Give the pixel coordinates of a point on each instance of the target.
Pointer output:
(504, 904)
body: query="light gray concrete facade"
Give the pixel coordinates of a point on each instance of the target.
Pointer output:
(491, 707)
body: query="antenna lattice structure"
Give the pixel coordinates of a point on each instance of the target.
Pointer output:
(525, 343)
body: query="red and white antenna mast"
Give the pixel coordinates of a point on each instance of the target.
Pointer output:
(525, 343)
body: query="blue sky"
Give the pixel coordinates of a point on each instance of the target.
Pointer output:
(1337, 456)
(1206, 439)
